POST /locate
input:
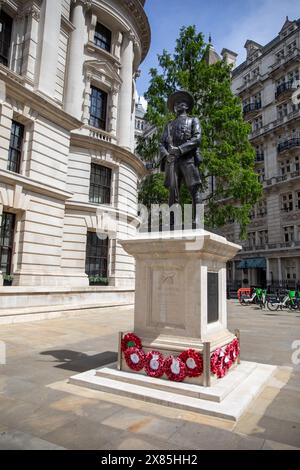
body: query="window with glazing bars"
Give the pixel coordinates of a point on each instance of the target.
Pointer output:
(7, 228)
(102, 37)
(5, 37)
(100, 184)
(96, 255)
(98, 108)
(15, 147)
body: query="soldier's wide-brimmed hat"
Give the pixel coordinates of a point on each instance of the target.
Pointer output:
(181, 95)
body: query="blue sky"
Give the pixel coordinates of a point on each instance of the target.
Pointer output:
(231, 23)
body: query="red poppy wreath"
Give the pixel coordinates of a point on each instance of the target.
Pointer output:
(175, 369)
(135, 358)
(217, 365)
(154, 364)
(131, 340)
(193, 362)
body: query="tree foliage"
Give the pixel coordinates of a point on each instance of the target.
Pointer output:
(227, 153)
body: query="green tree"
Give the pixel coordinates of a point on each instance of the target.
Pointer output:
(227, 153)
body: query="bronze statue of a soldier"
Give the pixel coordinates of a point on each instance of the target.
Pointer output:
(179, 150)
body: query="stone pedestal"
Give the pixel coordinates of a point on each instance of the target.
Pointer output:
(180, 294)
(180, 303)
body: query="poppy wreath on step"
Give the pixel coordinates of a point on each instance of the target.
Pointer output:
(217, 366)
(135, 358)
(235, 348)
(193, 362)
(131, 340)
(175, 369)
(154, 364)
(231, 353)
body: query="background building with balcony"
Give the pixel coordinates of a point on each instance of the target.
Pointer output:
(67, 125)
(267, 83)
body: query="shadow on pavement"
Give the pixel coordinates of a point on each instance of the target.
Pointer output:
(80, 362)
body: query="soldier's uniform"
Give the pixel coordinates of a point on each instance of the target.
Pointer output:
(185, 133)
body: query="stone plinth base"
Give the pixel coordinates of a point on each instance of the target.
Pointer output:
(180, 295)
(228, 398)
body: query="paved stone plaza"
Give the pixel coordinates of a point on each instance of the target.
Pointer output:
(40, 410)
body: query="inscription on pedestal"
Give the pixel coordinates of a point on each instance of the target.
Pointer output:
(212, 297)
(167, 299)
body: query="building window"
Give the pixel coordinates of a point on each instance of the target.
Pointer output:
(263, 237)
(298, 199)
(96, 257)
(98, 108)
(261, 208)
(5, 37)
(261, 174)
(291, 47)
(252, 239)
(285, 167)
(247, 78)
(297, 164)
(279, 55)
(257, 123)
(15, 147)
(287, 202)
(280, 81)
(100, 184)
(288, 233)
(7, 229)
(102, 37)
(293, 77)
(282, 111)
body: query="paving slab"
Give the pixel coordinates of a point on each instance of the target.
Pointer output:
(17, 440)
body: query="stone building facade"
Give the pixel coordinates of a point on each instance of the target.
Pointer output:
(267, 83)
(140, 122)
(67, 119)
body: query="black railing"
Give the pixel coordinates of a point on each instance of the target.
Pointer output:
(251, 107)
(284, 87)
(288, 144)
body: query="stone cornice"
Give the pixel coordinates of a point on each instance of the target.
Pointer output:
(46, 108)
(88, 207)
(12, 5)
(13, 179)
(103, 54)
(85, 3)
(136, 10)
(79, 140)
(67, 25)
